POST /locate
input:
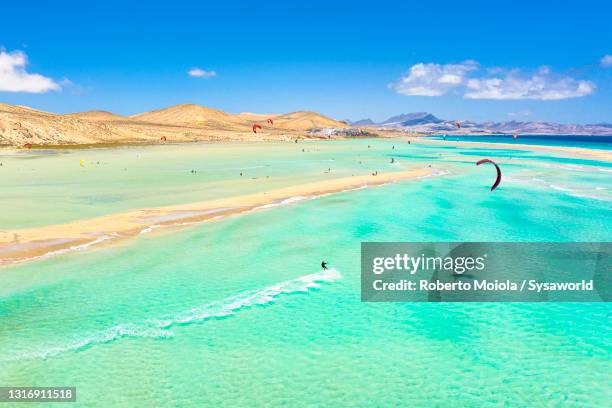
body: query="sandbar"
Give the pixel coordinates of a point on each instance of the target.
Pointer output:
(28, 244)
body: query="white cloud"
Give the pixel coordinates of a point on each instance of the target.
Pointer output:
(543, 85)
(14, 78)
(606, 61)
(200, 73)
(433, 79)
(493, 83)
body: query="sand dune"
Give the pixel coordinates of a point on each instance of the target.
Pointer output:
(21, 125)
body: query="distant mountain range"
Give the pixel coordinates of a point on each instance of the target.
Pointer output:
(362, 122)
(424, 122)
(411, 119)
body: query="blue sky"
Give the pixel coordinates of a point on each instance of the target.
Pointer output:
(479, 60)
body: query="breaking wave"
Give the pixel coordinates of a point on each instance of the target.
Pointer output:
(160, 328)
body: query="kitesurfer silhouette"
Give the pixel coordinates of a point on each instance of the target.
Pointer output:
(324, 265)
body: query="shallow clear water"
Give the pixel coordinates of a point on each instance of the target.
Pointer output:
(50, 186)
(237, 312)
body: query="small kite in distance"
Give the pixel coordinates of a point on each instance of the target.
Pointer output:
(255, 127)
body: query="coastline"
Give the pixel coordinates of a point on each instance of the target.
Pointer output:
(581, 152)
(33, 243)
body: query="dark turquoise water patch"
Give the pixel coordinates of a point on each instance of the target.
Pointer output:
(593, 142)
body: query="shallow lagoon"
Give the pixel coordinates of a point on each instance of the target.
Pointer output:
(237, 311)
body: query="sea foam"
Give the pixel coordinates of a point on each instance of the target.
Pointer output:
(159, 328)
(231, 305)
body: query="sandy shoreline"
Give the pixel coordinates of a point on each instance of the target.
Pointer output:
(28, 244)
(582, 152)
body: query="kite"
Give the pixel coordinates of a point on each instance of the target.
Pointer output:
(498, 179)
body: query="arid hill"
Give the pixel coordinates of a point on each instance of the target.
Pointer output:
(306, 121)
(257, 117)
(21, 125)
(97, 115)
(191, 115)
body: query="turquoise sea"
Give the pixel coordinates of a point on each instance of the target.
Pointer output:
(237, 312)
(597, 142)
